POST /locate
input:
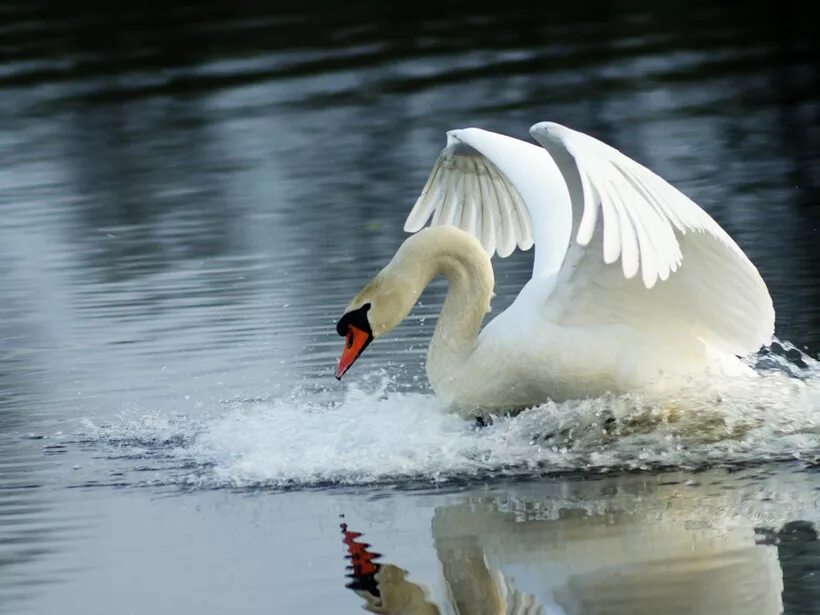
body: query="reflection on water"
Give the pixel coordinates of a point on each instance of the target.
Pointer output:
(799, 551)
(621, 545)
(383, 587)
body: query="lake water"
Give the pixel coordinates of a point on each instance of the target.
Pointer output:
(190, 194)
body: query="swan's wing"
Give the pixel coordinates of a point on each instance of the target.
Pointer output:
(586, 207)
(699, 278)
(641, 211)
(504, 191)
(467, 190)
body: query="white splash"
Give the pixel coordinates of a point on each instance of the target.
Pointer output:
(376, 434)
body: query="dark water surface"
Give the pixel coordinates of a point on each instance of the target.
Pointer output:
(190, 194)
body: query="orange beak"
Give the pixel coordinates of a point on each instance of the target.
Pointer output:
(356, 341)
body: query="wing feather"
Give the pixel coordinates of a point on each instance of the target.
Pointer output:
(612, 229)
(589, 217)
(505, 236)
(471, 216)
(425, 204)
(629, 242)
(452, 198)
(524, 230)
(488, 200)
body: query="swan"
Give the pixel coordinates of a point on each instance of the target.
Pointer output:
(633, 286)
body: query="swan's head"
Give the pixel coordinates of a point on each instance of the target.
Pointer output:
(355, 327)
(387, 299)
(378, 308)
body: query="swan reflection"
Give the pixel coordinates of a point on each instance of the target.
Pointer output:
(629, 547)
(383, 587)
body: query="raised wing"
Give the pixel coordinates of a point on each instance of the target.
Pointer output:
(504, 191)
(509, 193)
(466, 190)
(641, 211)
(623, 211)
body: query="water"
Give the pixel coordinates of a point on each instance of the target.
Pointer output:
(191, 194)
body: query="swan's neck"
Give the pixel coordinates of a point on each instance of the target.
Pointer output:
(459, 257)
(470, 287)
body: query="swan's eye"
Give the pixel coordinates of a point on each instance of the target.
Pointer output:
(356, 318)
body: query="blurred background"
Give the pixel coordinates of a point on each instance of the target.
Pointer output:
(191, 192)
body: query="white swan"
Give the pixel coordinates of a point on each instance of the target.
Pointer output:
(633, 285)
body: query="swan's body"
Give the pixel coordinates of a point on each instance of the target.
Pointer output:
(633, 285)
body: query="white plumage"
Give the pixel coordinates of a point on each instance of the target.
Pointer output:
(633, 285)
(615, 210)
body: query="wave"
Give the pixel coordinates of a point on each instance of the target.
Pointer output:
(374, 433)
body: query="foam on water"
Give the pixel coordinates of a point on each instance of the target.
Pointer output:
(377, 434)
